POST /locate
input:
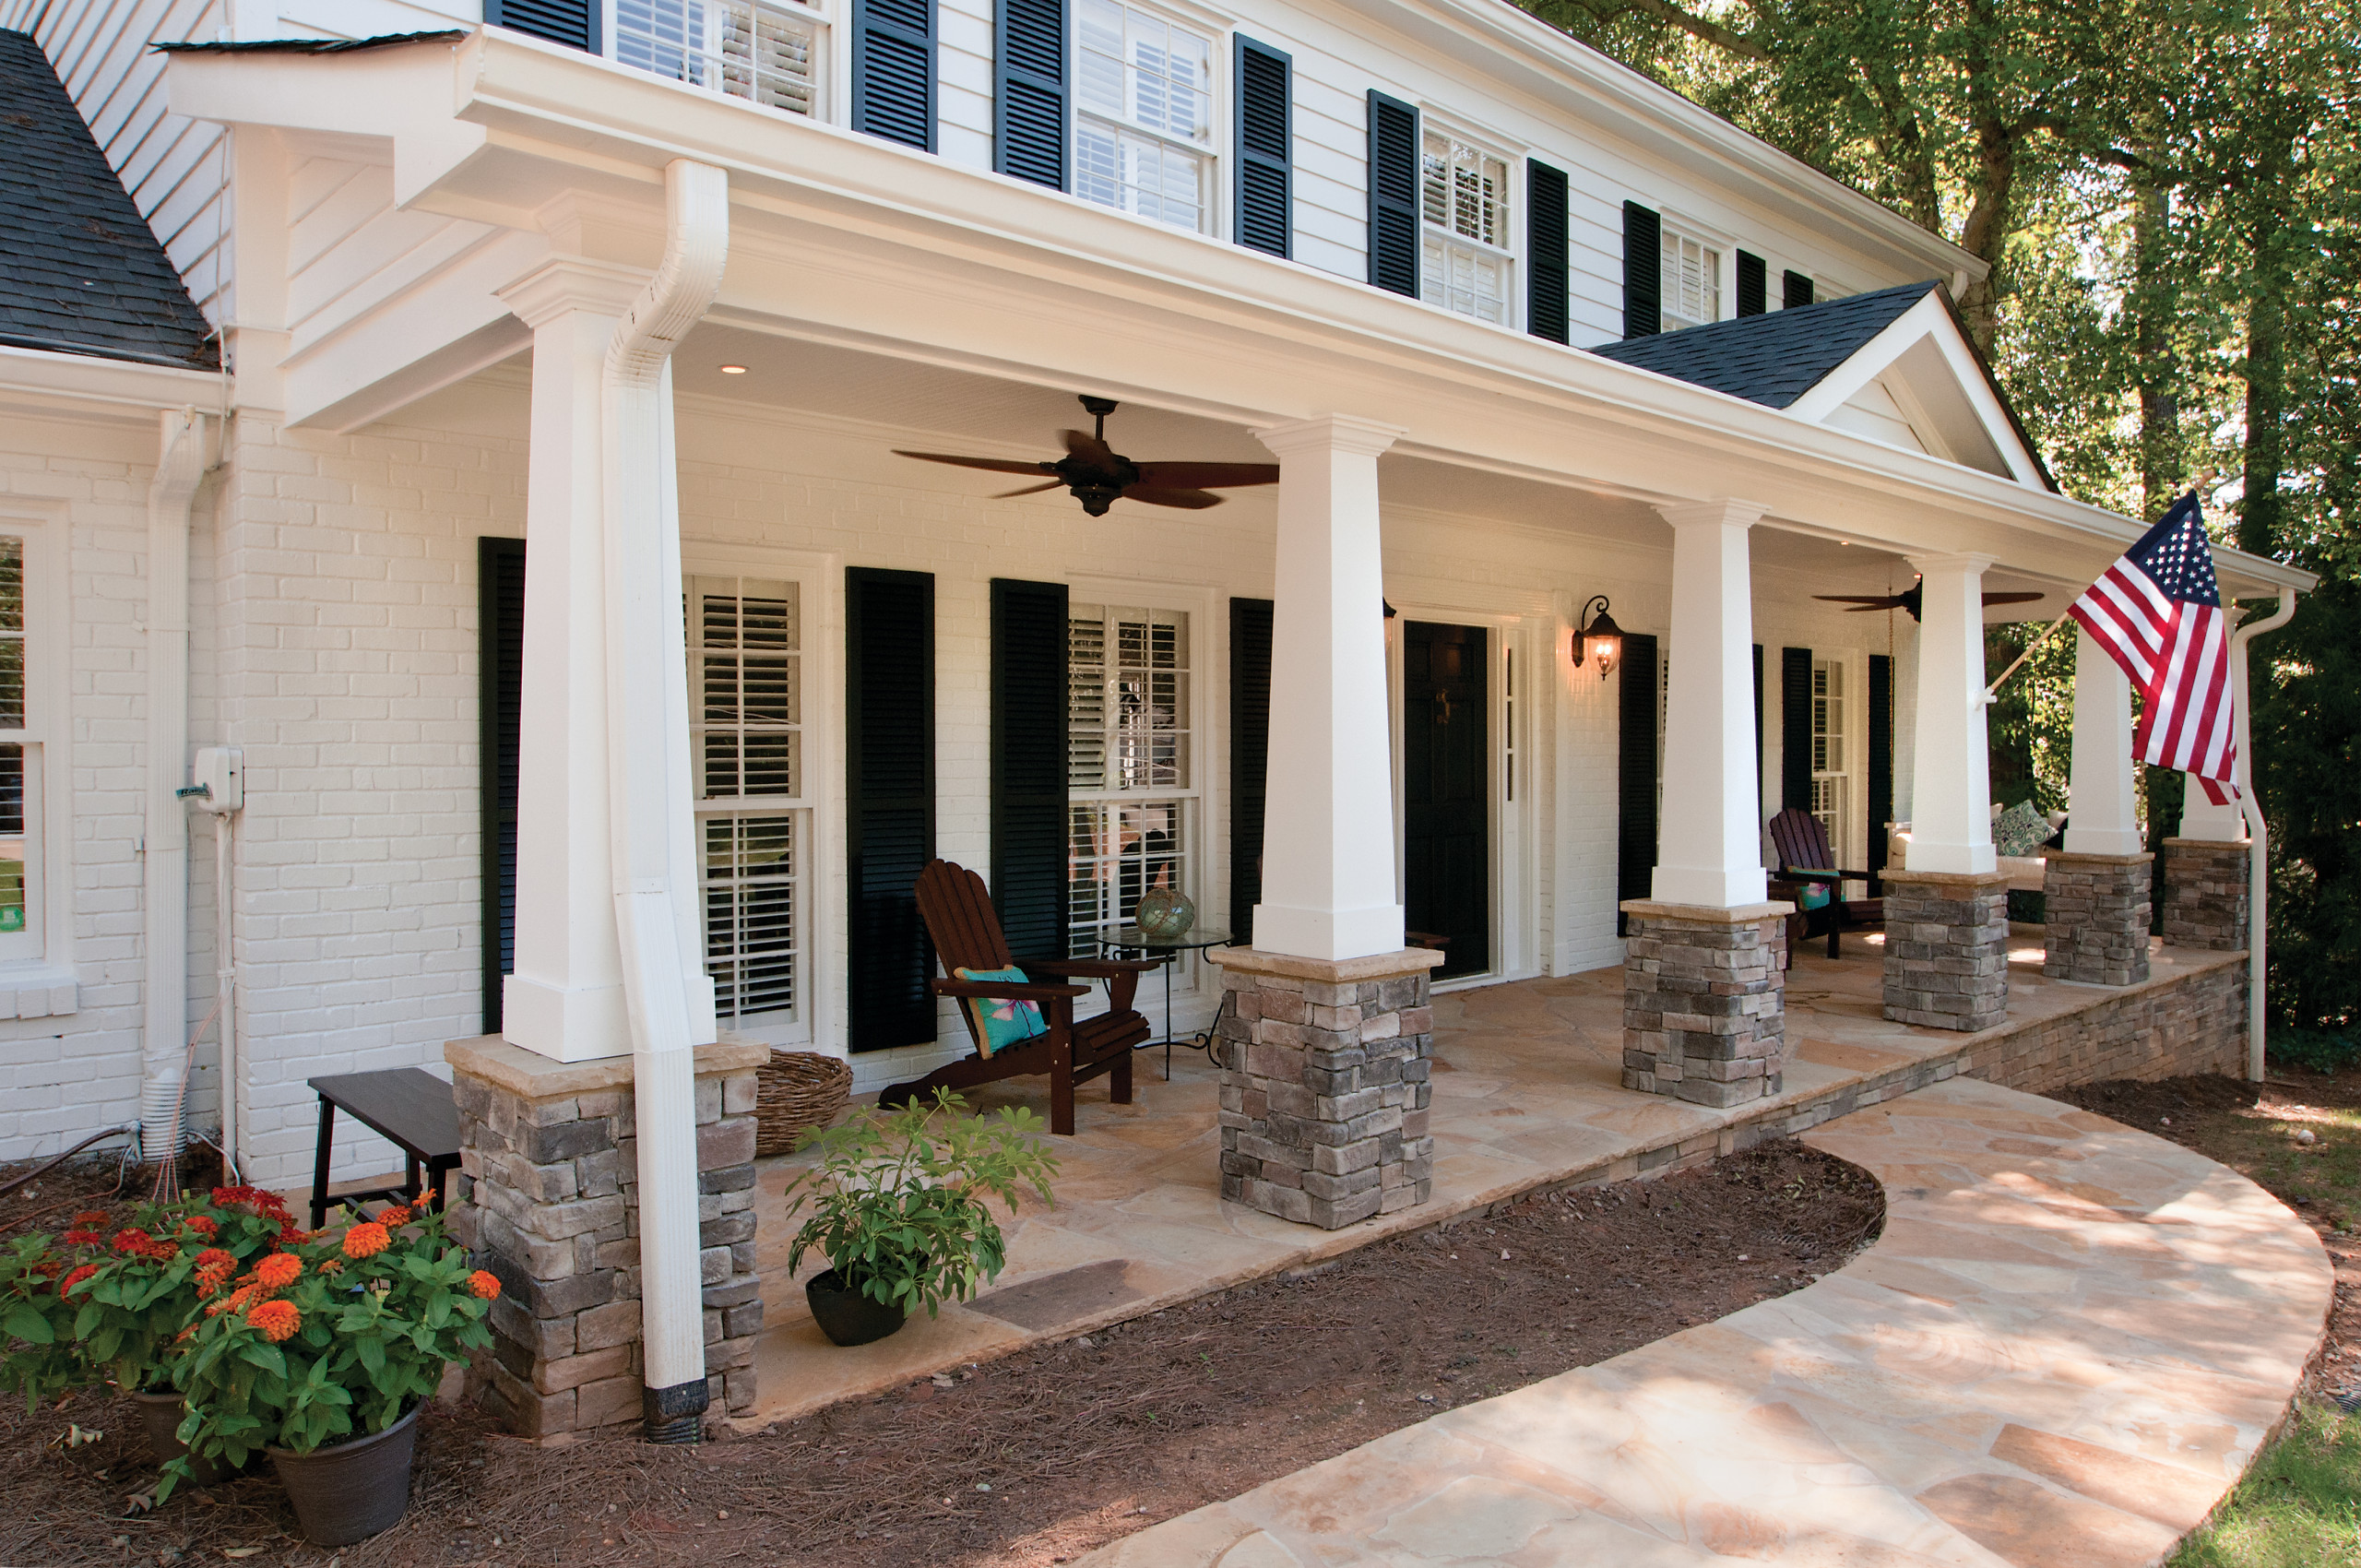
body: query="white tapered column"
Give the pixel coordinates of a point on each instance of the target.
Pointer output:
(2101, 819)
(1710, 845)
(1950, 826)
(1328, 888)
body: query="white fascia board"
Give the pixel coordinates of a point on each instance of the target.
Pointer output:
(120, 387)
(1928, 321)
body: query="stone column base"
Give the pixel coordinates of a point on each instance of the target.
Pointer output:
(1704, 1000)
(2097, 909)
(546, 1197)
(1323, 1083)
(1947, 948)
(2205, 893)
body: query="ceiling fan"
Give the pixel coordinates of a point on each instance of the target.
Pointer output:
(1099, 475)
(1908, 599)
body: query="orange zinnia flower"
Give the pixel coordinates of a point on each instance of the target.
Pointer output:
(278, 1320)
(77, 1278)
(202, 1225)
(484, 1285)
(366, 1240)
(279, 1270)
(214, 1257)
(394, 1216)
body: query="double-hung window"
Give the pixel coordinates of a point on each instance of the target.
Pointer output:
(1464, 261)
(1130, 781)
(753, 809)
(752, 49)
(1692, 282)
(1143, 114)
(20, 828)
(1830, 778)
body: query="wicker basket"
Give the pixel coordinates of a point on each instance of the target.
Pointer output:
(797, 1089)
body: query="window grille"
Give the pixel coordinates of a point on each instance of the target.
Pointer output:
(1692, 282)
(20, 801)
(1144, 113)
(1463, 201)
(1129, 779)
(1830, 778)
(767, 55)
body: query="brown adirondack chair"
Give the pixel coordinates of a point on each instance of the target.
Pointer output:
(966, 927)
(1804, 858)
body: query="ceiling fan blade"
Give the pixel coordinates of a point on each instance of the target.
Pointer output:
(996, 464)
(1168, 495)
(1866, 601)
(1208, 476)
(2012, 598)
(1089, 449)
(1029, 490)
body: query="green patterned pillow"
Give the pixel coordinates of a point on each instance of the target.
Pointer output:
(1002, 1021)
(2019, 830)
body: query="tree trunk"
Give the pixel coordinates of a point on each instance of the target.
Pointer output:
(2154, 297)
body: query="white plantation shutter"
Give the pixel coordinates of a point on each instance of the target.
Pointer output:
(1130, 781)
(747, 733)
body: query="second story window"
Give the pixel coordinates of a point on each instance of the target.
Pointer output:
(747, 49)
(1464, 261)
(1692, 282)
(1144, 113)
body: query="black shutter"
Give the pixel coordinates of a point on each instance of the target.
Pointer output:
(1392, 195)
(1752, 286)
(1795, 729)
(1642, 271)
(1030, 91)
(500, 659)
(892, 70)
(1249, 757)
(1794, 290)
(1029, 700)
(1636, 857)
(1758, 718)
(573, 23)
(1547, 283)
(1265, 147)
(889, 803)
(1880, 758)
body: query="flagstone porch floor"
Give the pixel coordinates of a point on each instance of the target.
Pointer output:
(2064, 1348)
(1526, 1094)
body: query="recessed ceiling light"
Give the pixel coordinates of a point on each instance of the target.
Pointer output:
(733, 370)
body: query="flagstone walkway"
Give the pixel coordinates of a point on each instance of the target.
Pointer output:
(2065, 1348)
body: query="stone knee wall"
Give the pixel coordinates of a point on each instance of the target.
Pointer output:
(2167, 1028)
(2096, 926)
(1946, 950)
(2205, 895)
(1323, 1085)
(1704, 1001)
(546, 1197)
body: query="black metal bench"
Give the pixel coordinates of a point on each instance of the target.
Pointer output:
(410, 1107)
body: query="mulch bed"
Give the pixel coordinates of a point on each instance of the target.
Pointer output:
(1040, 1456)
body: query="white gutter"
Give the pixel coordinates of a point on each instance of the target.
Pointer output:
(180, 467)
(667, 996)
(2257, 832)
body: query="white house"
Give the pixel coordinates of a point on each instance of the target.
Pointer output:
(538, 324)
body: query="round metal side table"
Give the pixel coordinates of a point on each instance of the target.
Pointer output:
(1131, 939)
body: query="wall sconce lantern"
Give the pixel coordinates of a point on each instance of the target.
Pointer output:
(1599, 641)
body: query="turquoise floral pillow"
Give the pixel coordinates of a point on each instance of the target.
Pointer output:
(1001, 1022)
(2019, 830)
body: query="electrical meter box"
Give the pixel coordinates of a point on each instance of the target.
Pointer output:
(219, 772)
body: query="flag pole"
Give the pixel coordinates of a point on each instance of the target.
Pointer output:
(1986, 696)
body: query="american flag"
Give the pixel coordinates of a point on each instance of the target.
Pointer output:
(2158, 613)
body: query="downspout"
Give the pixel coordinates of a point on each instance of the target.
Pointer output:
(2257, 831)
(180, 467)
(667, 995)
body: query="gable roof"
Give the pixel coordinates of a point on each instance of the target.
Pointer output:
(1775, 358)
(310, 45)
(83, 273)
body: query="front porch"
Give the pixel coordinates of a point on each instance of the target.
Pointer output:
(1528, 1094)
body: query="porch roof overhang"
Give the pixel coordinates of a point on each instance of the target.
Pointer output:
(842, 239)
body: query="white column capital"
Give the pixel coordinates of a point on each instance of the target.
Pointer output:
(1960, 561)
(1335, 433)
(573, 282)
(1726, 513)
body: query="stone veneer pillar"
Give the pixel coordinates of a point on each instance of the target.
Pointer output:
(1323, 1083)
(1704, 1000)
(2205, 893)
(1947, 948)
(545, 1197)
(2096, 914)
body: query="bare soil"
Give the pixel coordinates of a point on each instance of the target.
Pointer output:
(1037, 1458)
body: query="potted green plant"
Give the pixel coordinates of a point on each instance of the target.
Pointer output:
(320, 1356)
(899, 1209)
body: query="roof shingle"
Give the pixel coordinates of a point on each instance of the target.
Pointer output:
(1775, 358)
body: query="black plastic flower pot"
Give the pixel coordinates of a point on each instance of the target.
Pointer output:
(351, 1490)
(848, 1317)
(160, 1416)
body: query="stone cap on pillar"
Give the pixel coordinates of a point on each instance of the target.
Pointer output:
(1710, 914)
(531, 1075)
(1328, 971)
(2141, 859)
(2239, 844)
(1985, 880)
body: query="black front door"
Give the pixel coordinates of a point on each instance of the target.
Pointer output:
(1446, 791)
